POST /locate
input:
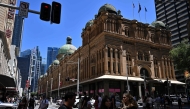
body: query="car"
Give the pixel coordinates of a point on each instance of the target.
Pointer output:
(58, 102)
(8, 105)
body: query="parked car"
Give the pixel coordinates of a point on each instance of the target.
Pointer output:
(8, 105)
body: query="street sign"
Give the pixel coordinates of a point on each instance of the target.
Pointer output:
(23, 9)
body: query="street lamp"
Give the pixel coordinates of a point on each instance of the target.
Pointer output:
(71, 62)
(51, 86)
(47, 89)
(59, 84)
(128, 88)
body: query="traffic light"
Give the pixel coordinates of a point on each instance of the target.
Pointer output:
(45, 11)
(67, 79)
(56, 12)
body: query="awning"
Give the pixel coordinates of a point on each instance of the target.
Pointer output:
(7, 81)
(172, 81)
(115, 77)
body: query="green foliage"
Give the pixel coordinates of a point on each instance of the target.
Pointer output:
(34, 93)
(181, 56)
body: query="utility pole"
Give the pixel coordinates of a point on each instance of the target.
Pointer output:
(144, 82)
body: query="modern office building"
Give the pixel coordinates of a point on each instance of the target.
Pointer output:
(43, 68)
(23, 65)
(113, 48)
(17, 32)
(51, 55)
(176, 16)
(25, 53)
(35, 66)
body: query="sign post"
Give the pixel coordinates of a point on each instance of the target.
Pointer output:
(23, 9)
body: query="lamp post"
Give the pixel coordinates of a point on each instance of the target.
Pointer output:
(128, 88)
(59, 85)
(47, 89)
(51, 85)
(144, 82)
(71, 62)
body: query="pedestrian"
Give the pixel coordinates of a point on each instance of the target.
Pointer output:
(99, 100)
(69, 101)
(89, 105)
(179, 103)
(44, 103)
(84, 102)
(96, 102)
(113, 100)
(32, 102)
(23, 104)
(106, 103)
(129, 102)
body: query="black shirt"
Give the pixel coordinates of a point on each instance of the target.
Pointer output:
(64, 107)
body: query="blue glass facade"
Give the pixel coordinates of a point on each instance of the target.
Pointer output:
(17, 32)
(51, 55)
(23, 65)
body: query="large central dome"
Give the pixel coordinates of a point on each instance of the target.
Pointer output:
(68, 48)
(107, 7)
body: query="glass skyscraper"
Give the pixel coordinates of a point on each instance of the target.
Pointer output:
(17, 32)
(176, 15)
(51, 55)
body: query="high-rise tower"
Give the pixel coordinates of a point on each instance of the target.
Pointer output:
(176, 15)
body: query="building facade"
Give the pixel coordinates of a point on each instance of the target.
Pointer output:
(6, 28)
(176, 15)
(112, 48)
(17, 32)
(52, 52)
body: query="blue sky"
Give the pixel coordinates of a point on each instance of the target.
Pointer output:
(74, 15)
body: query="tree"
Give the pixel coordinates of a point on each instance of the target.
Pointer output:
(181, 56)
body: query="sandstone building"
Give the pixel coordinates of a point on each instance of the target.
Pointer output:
(112, 47)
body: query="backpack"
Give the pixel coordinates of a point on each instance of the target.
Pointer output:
(43, 103)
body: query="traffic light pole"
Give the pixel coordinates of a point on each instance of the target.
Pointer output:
(17, 8)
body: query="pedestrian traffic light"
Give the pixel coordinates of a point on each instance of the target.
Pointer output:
(165, 83)
(56, 12)
(45, 11)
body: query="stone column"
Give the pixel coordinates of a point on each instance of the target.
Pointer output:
(166, 68)
(106, 60)
(140, 90)
(116, 61)
(111, 60)
(122, 87)
(173, 71)
(123, 62)
(159, 70)
(169, 69)
(106, 87)
(152, 66)
(163, 69)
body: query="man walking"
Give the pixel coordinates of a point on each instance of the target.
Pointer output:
(44, 103)
(32, 102)
(69, 101)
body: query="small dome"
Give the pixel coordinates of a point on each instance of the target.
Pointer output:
(107, 7)
(49, 66)
(68, 48)
(89, 23)
(56, 62)
(158, 24)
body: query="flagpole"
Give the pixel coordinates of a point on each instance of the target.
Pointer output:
(139, 11)
(133, 13)
(145, 13)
